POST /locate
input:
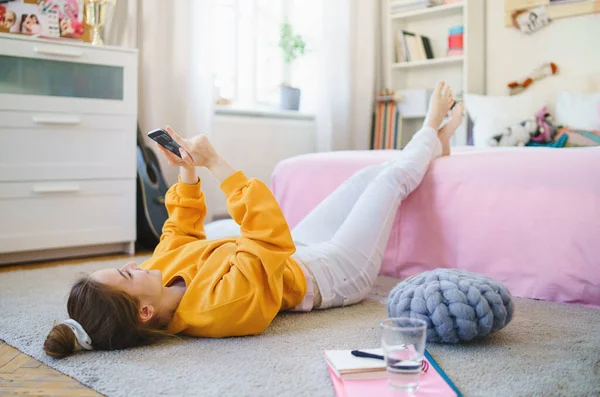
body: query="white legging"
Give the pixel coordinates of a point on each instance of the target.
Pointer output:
(342, 241)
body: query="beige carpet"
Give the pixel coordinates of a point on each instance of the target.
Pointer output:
(548, 349)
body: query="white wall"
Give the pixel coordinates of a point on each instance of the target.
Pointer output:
(571, 43)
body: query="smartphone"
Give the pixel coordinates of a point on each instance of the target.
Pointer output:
(161, 137)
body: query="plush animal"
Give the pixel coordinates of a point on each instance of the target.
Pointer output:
(546, 128)
(516, 135)
(547, 69)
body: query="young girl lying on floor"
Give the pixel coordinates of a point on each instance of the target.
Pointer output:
(236, 286)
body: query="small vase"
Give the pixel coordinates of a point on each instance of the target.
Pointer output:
(289, 98)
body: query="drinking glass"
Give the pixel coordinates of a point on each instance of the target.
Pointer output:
(403, 343)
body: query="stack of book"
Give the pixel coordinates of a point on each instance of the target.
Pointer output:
(348, 367)
(455, 41)
(386, 130)
(358, 377)
(400, 6)
(412, 47)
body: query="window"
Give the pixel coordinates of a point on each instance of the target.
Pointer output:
(269, 61)
(225, 47)
(249, 66)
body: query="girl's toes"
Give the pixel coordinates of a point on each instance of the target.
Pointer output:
(445, 90)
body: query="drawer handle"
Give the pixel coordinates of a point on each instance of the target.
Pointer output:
(57, 120)
(64, 52)
(56, 189)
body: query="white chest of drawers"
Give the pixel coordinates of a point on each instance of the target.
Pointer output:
(68, 114)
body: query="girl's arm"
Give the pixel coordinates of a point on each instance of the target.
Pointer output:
(188, 175)
(185, 200)
(247, 288)
(187, 208)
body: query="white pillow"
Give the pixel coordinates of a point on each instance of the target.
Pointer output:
(492, 114)
(578, 110)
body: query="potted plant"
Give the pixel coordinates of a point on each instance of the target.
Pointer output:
(293, 47)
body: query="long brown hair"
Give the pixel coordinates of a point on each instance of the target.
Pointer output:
(108, 315)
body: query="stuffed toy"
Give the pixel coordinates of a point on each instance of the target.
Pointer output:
(546, 128)
(516, 135)
(547, 69)
(532, 20)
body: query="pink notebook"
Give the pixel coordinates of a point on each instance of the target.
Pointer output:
(432, 383)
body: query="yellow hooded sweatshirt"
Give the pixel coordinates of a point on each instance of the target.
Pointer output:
(235, 286)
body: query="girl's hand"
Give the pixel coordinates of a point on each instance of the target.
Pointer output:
(195, 152)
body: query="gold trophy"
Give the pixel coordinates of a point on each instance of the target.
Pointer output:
(96, 17)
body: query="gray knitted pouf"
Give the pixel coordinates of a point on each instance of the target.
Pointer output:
(457, 305)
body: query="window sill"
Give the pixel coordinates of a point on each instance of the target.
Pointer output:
(262, 112)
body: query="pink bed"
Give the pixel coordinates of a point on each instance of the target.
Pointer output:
(529, 217)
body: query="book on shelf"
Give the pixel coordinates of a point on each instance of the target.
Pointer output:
(412, 47)
(455, 52)
(399, 6)
(459, 29)
(455, 40)
(427, 47)
(386, 130)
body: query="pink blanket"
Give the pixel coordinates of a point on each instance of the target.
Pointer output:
(529, 217)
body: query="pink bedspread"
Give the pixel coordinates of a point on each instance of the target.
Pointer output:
(529, 217)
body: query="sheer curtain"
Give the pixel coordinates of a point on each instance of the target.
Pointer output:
(349, 73)
(176, 73)
(175, 67)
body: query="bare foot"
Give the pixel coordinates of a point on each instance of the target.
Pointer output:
(446, 132)
(439, 104)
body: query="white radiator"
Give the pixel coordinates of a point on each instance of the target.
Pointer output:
(255, 144)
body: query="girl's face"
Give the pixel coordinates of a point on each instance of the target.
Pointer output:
(146, 285)
(34, 19)
(65, 26)
(9, 19)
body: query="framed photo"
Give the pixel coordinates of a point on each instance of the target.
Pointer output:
(46, 18)
(23, 17)
(7, 20)
(69, 14)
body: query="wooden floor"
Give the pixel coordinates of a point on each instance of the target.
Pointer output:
(21, 375)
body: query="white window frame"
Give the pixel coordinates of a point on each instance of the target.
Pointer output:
(287, 69)
(245, 79)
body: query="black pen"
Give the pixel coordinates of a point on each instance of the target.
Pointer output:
(358, 353)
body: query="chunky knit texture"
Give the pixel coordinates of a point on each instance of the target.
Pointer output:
(457, 305)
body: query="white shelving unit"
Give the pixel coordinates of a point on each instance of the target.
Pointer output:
(465, 73)
(428, 62)
(428, 11)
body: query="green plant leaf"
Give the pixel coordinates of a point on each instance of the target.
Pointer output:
(293, 46)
